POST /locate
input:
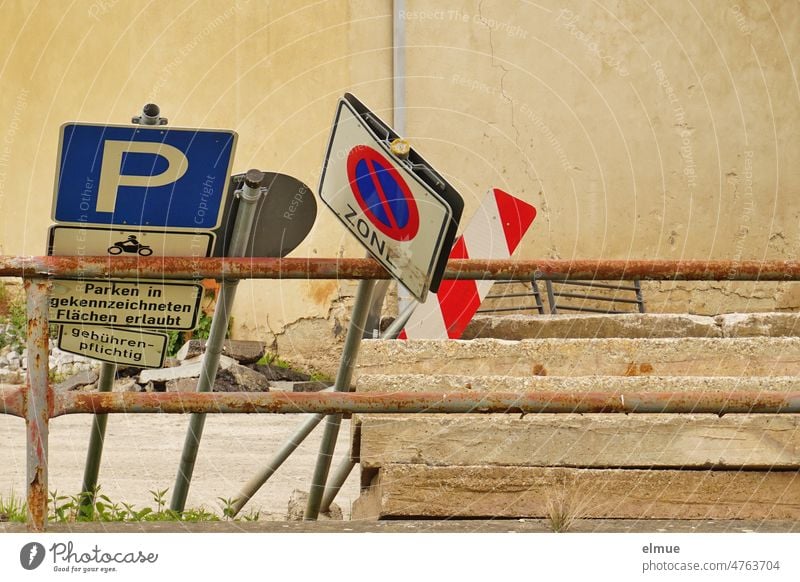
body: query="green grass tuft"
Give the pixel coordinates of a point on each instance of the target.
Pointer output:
(98, 507)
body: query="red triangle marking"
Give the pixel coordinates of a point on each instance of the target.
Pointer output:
(458, 300)
(516, 216)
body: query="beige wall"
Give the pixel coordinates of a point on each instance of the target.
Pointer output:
(659, 131)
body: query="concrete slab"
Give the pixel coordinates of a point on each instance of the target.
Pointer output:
(759, 324)
(582, 357)
(482, 491)
(761, 441)
(459, 382)
(633, 325)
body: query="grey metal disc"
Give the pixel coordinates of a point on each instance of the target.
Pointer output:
(284, 216)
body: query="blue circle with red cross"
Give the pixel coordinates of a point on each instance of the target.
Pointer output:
(382, 194)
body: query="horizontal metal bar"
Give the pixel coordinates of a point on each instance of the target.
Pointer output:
(593, 310)
(600, 285)
(430, 402)
(308, 268)
(12, 401)
(509, 295)
(595, 297)
(499, 309)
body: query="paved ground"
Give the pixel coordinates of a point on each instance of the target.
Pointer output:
(442, 526)
(143, 450)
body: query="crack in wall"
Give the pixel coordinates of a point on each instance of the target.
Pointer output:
(510, 100)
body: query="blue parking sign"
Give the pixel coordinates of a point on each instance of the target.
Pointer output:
(142, 176)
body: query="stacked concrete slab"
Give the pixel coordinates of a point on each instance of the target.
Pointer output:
(638, 466)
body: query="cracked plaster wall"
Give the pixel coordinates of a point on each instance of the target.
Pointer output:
(646, 130)
(637, 130)
(657, 130)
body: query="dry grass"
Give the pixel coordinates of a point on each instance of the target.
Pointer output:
(564, 508)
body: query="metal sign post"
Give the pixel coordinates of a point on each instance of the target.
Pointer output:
(125, 190)
(343, 378)
(305, 429)
(250, 194)
(94, 454)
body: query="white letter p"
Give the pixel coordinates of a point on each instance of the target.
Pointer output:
(111, 178)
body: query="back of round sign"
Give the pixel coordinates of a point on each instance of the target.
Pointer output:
(284, 216)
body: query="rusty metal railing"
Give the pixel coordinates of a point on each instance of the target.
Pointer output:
(308, 268)
(37, 403)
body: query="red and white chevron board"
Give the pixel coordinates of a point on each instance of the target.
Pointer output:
(493, 233)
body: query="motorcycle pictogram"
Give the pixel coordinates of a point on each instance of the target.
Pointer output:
(132, 245)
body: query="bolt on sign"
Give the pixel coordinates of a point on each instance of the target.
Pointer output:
(135, 192)
(397, 206)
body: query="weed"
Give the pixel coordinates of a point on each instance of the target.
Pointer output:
(12, 509)
(227, 507)
(176, 339)
(15, 316)
(56, 377)
(562, 511)
(273, 360)
(94, 506)
(160, 497)
(320, 377)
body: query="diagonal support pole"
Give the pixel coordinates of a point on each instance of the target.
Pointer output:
(245, 217)
(94, 454)
(290, 446)
(343, 378)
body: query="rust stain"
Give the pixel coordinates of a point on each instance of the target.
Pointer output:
(37, 503)
(635, 369)
(12, 401)
(539, 370)
(322, 292)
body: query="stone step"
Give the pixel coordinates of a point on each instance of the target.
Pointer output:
(633, 325)
(461, 382)
(482, 491)
(735, 441)
(581, 357)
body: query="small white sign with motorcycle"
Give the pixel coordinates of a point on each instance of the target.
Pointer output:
(91, 241)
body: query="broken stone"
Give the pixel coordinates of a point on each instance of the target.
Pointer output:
(243, 351)
(311, 386)
(240, 379)
(127, 371)
(155, 387)
(75, 382)
(276, 373)
(189, 369)
(126, 385)
(297, 508)
(182, 385)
